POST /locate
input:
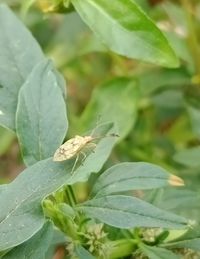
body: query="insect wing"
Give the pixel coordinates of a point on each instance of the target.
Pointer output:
(69, 149)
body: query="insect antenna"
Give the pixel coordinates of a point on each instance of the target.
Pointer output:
(99, 117)
(108, 135)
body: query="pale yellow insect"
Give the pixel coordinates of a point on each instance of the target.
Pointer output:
(74, 147)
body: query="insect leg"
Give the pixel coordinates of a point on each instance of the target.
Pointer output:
(91, 146)
(75, 163)
(84, 157)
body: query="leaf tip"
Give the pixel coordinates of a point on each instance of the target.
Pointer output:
(175, 181)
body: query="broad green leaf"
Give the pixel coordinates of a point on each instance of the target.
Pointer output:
(19, 53)
(41, 119)
(132, 176)
(190, 239)
(128, 212)
(158, 253)
(108, 101)
(34, 248)
(21, 215)
(3, 187)
(82, 253)
(126, 30)
(188, 157)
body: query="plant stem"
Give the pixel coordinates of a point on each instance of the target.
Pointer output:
(192, 37)
(71, 196)
(121, 248)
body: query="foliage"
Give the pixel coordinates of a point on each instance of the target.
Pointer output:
(143, 83)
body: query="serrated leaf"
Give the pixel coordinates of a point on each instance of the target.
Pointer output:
(41, 120)
(126, 30)
(34, 248)
(128, 212)
(21, 215)
(188, 157)
(19, 53)
(131, 176)
(158, 253)
(108, 101)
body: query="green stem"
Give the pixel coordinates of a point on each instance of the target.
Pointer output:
(71, 196)
(121, 248)
(192, 37)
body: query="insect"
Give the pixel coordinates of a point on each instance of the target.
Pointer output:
(74, 147)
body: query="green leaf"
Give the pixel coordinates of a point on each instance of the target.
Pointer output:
(194, 113)
(2, 187)
(108, 101)
(82, 253)
(126, 30)
(19, 53)
(178, 199)
(41, 119)
(94, 162)
(188, 157)
(131, 176)
(21, 215)
(157, 79)
(34, 248)
(169, 99)
(190, 239)
(157, 253)
(128, 212)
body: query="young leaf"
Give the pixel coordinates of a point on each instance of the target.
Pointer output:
(133, 176)
(126, 30)
(41, 119)
(34, 248)
(158, 253)
(19, 53)
(128, 212)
